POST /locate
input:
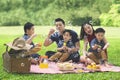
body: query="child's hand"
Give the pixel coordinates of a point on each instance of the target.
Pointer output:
(69, 50)
(99, 49)
(38, 45)
(64, 48)
(84, 53)
(33, 35)
(95, 46)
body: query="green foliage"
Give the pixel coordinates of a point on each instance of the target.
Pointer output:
(112, 18)
(43, 12)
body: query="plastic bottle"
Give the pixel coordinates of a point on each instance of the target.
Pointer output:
(44, 62)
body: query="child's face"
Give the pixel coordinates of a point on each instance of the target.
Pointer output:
(99, 36)
(88, 29)
(66, 36)
(30, 31)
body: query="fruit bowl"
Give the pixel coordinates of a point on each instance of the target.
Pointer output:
(93, 67)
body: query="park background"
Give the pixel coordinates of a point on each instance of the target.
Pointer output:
(101, 13)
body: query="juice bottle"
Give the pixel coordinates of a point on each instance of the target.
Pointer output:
(43, 62)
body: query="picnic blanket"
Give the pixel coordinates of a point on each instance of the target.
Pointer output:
(53, 69)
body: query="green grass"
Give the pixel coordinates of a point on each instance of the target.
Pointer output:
(7, 34)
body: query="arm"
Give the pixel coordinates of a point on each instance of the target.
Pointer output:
(106, 44)
(62, 48)
(94, 44)
(85, 44)
(48, 41)
(75, 49)
(59, 49)
(29, 40)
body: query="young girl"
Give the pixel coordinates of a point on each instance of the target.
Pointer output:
(87, 34)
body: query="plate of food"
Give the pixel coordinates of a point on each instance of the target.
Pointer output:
(65, 66)
(93, 67)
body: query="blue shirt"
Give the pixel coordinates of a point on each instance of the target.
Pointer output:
(68, 44)
(95, 41)
(58, 38)
(26, 37)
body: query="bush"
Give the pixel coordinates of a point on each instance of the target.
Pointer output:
(112, 18)
(43, 12)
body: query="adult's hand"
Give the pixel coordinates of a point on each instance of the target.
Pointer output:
(51, 32)
(48, 41)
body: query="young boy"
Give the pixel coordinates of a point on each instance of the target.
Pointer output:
(98, 46)
(29, 36)
(64, 48)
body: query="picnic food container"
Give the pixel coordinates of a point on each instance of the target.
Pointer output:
(13, 64)
(65, 66)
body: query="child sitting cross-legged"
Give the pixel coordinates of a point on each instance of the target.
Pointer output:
(64, 48)
(98, 46)
(29, 36)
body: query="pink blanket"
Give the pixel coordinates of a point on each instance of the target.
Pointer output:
(53, 69)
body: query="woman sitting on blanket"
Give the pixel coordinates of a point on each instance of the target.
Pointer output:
(64, 48)
(87, 34)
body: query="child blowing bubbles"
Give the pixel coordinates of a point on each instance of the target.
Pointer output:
(98, 48)
(65, 48)
(29, 36)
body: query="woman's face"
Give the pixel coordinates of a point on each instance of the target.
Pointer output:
(88, 29)
(60, 26)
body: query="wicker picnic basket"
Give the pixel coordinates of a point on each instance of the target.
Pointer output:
(13, 64)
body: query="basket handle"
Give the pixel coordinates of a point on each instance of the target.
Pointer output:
(6, 47)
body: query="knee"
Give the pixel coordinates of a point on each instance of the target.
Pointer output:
(59, 53)
(89, 55)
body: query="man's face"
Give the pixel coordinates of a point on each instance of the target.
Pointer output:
(60, 26)
(66, 36)
(30, 31)
(99, 36)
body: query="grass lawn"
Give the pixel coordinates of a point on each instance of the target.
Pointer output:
(7, 34)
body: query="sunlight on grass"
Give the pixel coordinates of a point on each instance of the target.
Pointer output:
(42, 31)
(7, 34)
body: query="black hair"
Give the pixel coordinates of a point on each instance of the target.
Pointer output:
(99, 30)
(82, 32)
(59, 19)
(67, 30)
(27, 26)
